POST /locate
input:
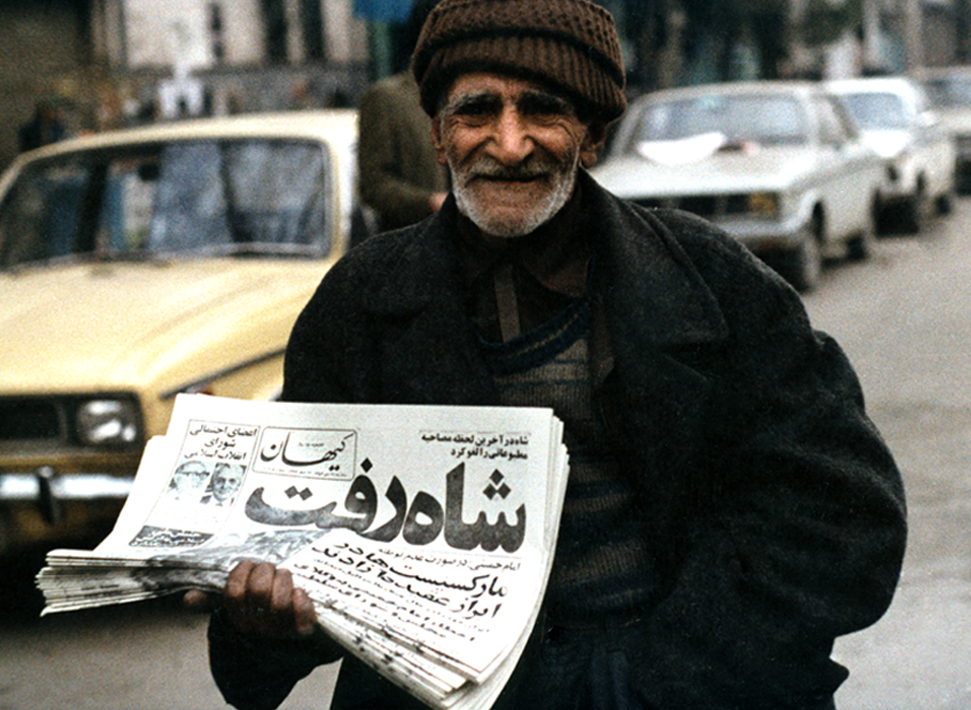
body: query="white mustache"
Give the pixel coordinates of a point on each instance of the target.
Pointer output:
(498, 171)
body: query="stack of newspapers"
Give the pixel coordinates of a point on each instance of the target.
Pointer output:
(424, 535)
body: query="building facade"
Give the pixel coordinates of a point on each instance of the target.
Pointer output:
(108, 63)
(111, 63)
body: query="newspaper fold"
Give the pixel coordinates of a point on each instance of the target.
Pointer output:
(424, 535)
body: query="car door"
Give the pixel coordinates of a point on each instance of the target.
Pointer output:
(852, 173)
(936, 147)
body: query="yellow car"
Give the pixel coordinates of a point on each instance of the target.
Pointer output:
(138, 264)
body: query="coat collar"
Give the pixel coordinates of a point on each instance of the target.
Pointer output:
(653, 294)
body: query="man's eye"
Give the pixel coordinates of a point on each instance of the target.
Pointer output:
(544, 106)
(477, 108)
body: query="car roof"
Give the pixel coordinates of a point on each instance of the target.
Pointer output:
(326, 125)
(943, 72)
(742, 88)
(882, 84)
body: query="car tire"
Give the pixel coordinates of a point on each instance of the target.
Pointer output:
(915, 211)
(861, 247)
(804, 265)
(945, 202)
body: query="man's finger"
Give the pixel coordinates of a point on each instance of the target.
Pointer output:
(198, 600)
(304, 616)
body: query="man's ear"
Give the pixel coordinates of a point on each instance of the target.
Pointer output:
(437, 139)
(593, 143)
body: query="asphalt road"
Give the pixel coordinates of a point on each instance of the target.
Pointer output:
(903, 318)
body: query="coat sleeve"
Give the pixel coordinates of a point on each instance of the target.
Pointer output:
(796, 531)
(258, 674)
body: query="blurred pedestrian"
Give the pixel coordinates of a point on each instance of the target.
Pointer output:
(44, 127)
(400, 177)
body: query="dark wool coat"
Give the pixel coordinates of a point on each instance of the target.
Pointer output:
(774, 510)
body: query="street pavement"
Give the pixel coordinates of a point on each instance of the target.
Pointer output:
(905, 321)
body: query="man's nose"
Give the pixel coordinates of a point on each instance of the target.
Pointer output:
(512, 142)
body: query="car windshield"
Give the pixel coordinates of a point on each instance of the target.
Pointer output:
(760, 119)
(171, 199)
(878, 110)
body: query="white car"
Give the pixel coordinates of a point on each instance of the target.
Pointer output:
(949, 89)
(897, 121)
(779, 165)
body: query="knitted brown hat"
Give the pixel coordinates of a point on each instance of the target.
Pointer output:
(570, 45)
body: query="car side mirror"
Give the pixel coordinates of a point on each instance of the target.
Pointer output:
(927, 119)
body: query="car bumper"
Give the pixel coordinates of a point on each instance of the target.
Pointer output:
(45, 482)
(45, 506)
(767, 236)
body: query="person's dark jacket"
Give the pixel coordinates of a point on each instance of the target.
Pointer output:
(397, 165)
(774, 510)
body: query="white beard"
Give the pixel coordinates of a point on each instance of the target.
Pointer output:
(531, 217)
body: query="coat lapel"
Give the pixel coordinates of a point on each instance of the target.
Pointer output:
(660, 315)
(431, 352)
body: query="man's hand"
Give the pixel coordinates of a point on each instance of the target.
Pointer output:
(260, 600)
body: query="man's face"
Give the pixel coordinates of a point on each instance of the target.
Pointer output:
(513, 149)
(225, 481)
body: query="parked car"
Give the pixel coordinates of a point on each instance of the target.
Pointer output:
(897, 120)
(138, 264)
(779, 165)
(949, 90)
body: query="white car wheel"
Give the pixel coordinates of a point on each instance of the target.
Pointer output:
(804, 265)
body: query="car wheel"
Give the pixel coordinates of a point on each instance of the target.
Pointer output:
(915, 212)
(945, 202)
(804, 265)
(861, 247)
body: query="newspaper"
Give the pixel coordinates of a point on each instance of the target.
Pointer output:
(424, 535)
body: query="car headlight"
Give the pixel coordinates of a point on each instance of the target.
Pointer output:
(107, 422)
(763, 204)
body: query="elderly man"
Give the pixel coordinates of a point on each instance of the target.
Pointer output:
(730, 510)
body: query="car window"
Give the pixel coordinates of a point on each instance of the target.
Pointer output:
(173, 198)
(878, 110)
(40, 215)
(761, 118)
(833, 129)
(949, 92)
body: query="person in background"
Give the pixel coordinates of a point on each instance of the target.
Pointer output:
(44, 127)
(731, 509)
(399, 177)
